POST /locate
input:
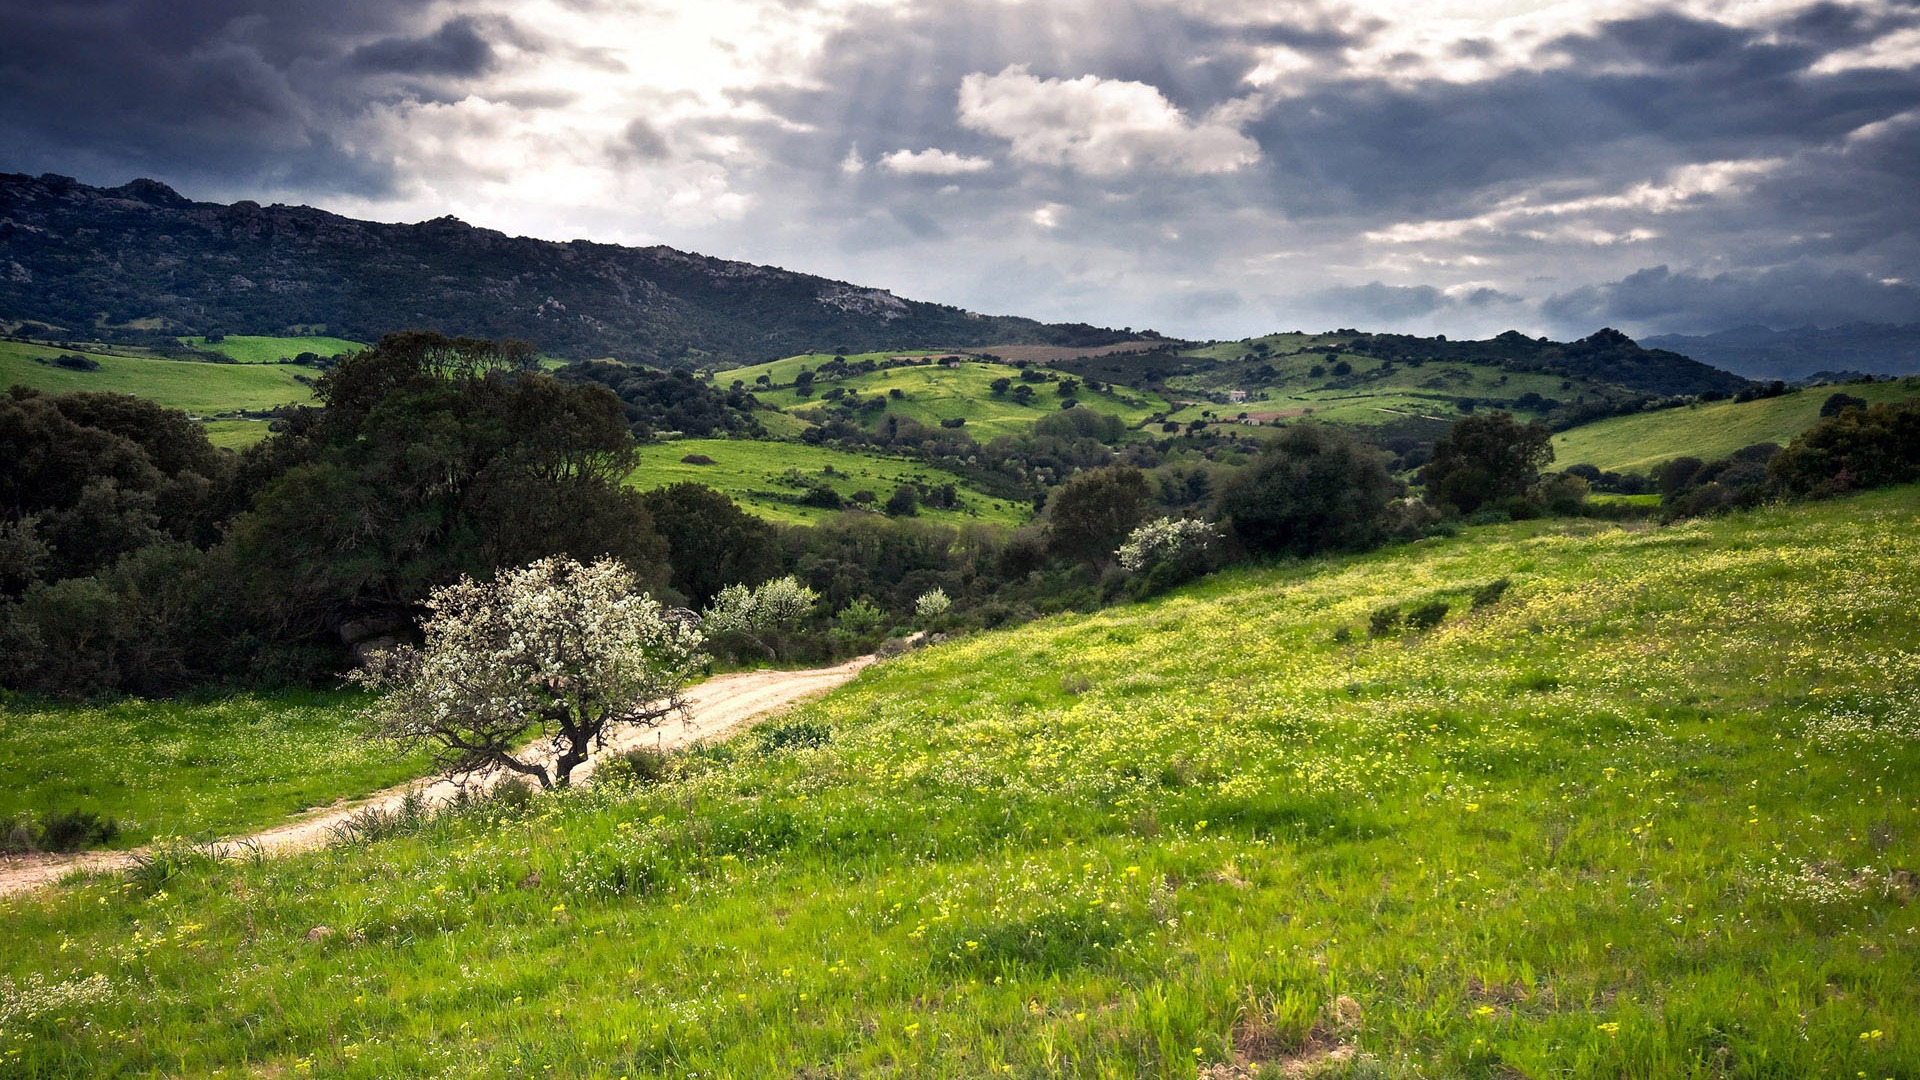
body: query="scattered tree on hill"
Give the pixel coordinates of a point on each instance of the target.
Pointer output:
(1092, 513)
(571, 650)
(1315, 488)
(1854, 450)
(1484, 460)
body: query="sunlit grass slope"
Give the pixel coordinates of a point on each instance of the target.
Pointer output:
(759, 476)
(935, 393)
(1638, 443)
(190, 768)
(251, 349)
(1654, 812)
(201, 389)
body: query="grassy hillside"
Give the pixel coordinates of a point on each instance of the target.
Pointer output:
(935, 393)
(1651, 813)
(201, 389)
(1638, 443)
(761, 476)
(191, 767)
(250, 349)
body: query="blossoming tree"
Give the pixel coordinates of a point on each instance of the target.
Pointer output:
(564, 651)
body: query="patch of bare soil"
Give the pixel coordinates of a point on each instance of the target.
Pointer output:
(715, 708)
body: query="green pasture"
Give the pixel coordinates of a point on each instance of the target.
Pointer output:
(1711, 431)
(934, 393)
(190, 767)
(198, 388)
(1652, 810)
(253, 349)
(756, 475)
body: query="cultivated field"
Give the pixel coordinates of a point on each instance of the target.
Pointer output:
(1651, 810)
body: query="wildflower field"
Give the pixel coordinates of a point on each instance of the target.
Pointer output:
(1642, 802)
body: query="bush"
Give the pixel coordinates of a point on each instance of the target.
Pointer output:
(696, 459)
(1424, 617)
(1383, 621)
(638, 768)
(56, 830)
(802, 734)
(1489, 594)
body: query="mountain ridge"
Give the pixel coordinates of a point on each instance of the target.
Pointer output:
(142, 259)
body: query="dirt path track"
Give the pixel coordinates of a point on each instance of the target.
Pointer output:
(717, 706)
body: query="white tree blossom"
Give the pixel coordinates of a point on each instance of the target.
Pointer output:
(932, 604)
(555, 649)
(759, 614)
(1174, 540)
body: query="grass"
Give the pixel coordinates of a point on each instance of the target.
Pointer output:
(201, 389)
(1640, 442)
(191, 767)
(936, 392)
(757, 475)
(1372, 395)
(236, 434)
(1653, 812)
(250, 349)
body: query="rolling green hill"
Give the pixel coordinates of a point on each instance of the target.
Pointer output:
(198, 388)
(1639, 442)
(1651, 812)
(767, 478)
(253, 349)
(934, 392)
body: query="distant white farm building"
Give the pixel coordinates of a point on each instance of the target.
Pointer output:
(1235, 397)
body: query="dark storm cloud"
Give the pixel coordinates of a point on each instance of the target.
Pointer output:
(1641, 95)
(221, 94)
(455, 49)
(1658, 300)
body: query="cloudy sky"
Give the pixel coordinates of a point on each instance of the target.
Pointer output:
(1209, 168)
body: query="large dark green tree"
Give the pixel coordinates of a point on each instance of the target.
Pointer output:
(1315, 488)
(1091, 514)
(1485, 460)
(430, 459)
(711, 542)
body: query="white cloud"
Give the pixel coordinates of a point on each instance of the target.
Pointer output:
(1533, 218)
(933, 163)
(1098, 126)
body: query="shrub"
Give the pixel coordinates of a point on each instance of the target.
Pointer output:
(1424, 617)
(1489, 594)
(801, 734)
(1180, 541)
(1383, 621)
(56, 830)
(638, 768)
(696, 459)
(932, 604)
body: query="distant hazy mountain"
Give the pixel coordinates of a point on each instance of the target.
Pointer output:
(1760, 353)
(143, 259)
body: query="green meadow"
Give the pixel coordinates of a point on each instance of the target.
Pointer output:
(1650, 808)
(198, 388)
(211, 767)
(1639, 442)
(252, 349)
(766, 478)
(935, 392)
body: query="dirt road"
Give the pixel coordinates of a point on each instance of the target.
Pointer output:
(717, 706)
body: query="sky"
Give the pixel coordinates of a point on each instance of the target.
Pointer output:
(1205, 168)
